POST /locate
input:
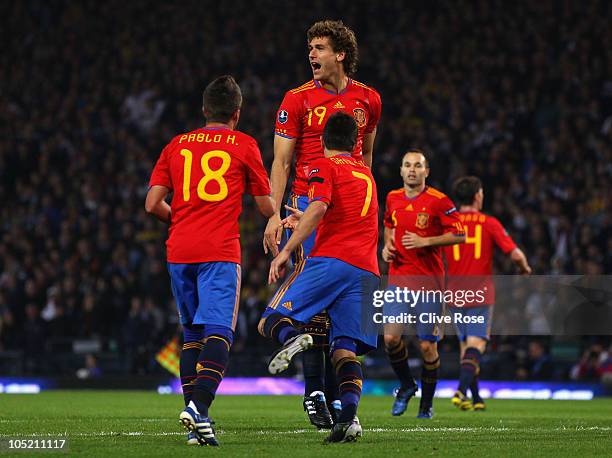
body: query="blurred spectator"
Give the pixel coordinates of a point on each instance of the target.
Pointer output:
(595, 364)
(143, 110)
(91, 369)
(538, 365)
(33, 340)
(540, 305)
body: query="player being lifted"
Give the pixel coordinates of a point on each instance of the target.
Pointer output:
(333, 57)
(208, 170)
(471, 265)
(340, 270)
(419, 221)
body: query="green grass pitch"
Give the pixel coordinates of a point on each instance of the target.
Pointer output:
(111, 423)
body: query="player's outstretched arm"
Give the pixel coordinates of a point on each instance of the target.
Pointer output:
(410, 240)
(308, 222)
(265, 205)
(368, 147)
(156, 205)
(519, 258)
(283, 155)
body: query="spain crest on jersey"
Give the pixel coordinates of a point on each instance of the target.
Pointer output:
(422, 220)
(360, 117)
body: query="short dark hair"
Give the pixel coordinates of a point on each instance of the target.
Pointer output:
(465, 189)
(341, 39)
(340, 132)
(221, 98)
(417, 151)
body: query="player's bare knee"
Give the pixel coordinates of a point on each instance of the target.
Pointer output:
(340, 354)
(392, 340)
(429, 350)
(343, 348)
(476, 342)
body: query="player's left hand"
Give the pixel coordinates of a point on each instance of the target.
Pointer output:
(388, 252)
(291, 221)
(410, 240)
(277, 268)
(525, 269)
(273, 235)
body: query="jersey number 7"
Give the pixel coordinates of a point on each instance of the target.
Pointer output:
(368, 198)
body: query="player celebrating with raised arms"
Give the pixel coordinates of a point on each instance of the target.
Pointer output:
(208, 170)
(341, 270)
(333, 57)
(475, 259)
(419, 221)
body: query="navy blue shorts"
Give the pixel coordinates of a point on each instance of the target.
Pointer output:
(303, 251)
(472, 321)
(329, 284)
(206, 293)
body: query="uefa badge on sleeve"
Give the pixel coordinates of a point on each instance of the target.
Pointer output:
(283, 116)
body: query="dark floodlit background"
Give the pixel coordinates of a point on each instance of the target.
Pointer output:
(518, 93)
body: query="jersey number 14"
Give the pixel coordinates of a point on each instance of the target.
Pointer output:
(475, 240)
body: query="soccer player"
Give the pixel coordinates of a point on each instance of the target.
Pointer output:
(208, 170)
(419, 221)
(475, 258)
(333, 56)
(340, 270)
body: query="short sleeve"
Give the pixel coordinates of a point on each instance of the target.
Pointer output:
(289, 117)
(161, 171)
(449, 217)
(320, 182)
(375, 107)
(500, 236)
(258, 183)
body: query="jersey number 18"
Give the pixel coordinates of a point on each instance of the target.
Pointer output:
(209, 175)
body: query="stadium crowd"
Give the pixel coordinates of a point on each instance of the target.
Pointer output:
(518, 93)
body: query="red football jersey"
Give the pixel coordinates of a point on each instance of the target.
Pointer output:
(429, 214)
(470, 265)
(349, 229)
(208, 169)
(475, 256)
(304, 112)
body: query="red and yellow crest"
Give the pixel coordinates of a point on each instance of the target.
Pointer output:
(422, 220)
(360, 117)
